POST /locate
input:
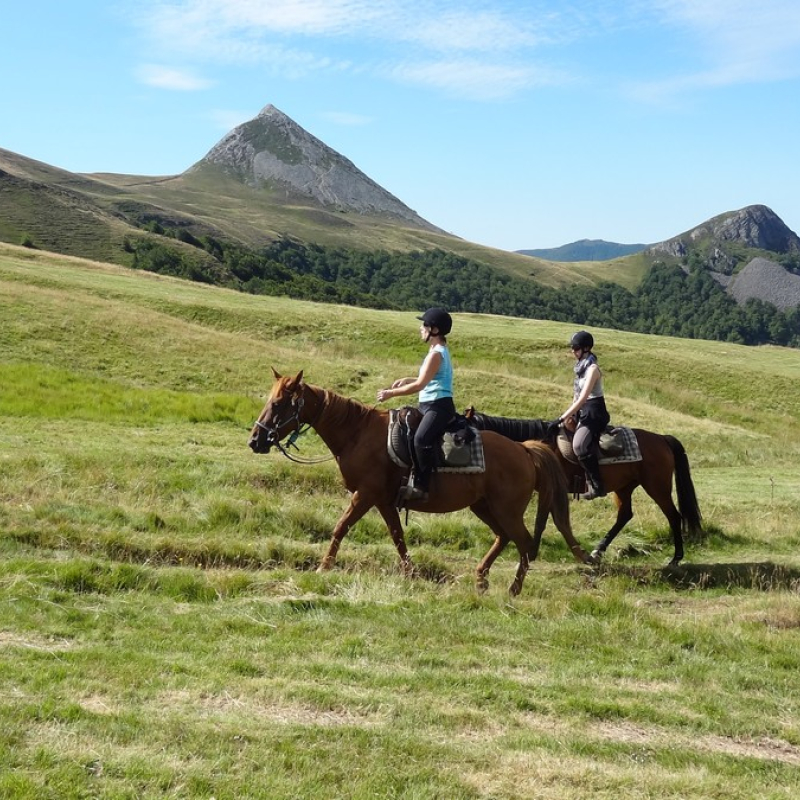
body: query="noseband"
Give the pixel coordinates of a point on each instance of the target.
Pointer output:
(272, 429)
(299, 429)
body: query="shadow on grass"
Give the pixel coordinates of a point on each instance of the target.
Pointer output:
(761, 576)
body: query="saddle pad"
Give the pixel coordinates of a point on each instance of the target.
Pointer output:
(397, 448)
(630, 450)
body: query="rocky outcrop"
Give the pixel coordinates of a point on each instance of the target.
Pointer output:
(755, 227)
(768, 281)
(274, 151)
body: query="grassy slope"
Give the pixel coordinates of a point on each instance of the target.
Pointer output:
(161, 633)
(80, 215)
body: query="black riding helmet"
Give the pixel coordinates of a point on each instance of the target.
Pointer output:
(437, 318)
(582, 340)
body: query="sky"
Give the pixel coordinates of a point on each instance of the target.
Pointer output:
(516, 125)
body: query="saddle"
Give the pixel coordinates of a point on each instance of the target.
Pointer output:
(615, 444)
(460, 449)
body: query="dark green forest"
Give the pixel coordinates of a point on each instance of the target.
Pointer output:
(670, 301)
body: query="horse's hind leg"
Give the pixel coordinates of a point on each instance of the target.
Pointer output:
(506, 528)
(538, 528)
(624, 516)
(483, 512)
(663, 499)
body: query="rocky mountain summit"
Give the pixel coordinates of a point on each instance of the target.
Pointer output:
(728, 246)
(272, 151)
(755, 227)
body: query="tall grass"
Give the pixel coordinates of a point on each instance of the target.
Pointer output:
(163, 632)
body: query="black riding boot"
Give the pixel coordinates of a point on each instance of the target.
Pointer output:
(417, 487)
(596, 488)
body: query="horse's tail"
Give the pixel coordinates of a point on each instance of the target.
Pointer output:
(684, 486)
(551, 484)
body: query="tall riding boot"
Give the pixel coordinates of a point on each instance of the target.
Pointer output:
(596, 488)
(417, 487)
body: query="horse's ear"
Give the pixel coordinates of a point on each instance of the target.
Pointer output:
(298, 381)
(276, 374)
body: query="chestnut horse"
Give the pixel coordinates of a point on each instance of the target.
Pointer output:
(663, 457)
(357, 436)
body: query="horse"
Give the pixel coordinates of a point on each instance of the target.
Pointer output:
(356, 436)
(663, 457)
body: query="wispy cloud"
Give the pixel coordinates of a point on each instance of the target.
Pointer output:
(732, 43)
(169, 78)
(481, 48)
(475, 79)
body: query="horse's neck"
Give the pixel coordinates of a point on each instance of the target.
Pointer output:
(337, 418)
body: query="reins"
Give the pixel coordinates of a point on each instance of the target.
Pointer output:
(298, 432)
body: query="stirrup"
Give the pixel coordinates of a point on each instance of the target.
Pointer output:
(592, 494)
(408, 493)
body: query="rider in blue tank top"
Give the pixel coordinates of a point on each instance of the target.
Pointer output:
(435, 386)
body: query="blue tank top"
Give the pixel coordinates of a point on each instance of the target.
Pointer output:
(441, 385)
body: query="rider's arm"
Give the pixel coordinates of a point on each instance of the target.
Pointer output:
(404, 386)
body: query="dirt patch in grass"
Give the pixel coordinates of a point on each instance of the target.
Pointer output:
(763, 747)
(281, 713)
(34, 642)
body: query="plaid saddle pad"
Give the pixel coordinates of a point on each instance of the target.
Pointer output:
(453, 454)
(626, 447)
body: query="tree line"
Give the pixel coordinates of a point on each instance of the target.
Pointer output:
(670, 301)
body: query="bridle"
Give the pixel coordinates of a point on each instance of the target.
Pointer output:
(271, 430)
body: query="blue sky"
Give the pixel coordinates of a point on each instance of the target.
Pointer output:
(511, 124)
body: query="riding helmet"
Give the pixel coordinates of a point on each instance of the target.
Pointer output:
(582, 340)
(437, 318)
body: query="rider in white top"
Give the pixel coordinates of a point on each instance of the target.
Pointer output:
(588, 411)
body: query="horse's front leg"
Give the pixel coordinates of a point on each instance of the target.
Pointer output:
(352, 514)
(482, 571)
(624, 516)
(522, 571)
(392, 519)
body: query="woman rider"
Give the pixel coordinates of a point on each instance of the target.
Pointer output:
(589, 405)
(435, 386)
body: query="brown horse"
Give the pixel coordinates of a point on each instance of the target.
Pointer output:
(357, 437)
(662, 458)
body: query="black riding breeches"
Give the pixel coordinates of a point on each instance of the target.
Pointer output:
(435, 418)
(593, 419)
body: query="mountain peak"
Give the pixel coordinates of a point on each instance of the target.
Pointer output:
(754, 226)
(273, 152)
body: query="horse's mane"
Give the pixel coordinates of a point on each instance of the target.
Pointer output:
(340, 409)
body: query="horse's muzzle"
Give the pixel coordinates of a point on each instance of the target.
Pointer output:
(260, 441)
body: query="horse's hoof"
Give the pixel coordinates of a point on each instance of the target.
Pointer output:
(596, 556)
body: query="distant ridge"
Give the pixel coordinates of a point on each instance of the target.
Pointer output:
(272, 151)
(585, 250)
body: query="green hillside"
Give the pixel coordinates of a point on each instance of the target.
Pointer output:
(91, 215)
(163, 632)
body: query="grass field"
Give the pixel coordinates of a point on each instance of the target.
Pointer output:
(163, 632)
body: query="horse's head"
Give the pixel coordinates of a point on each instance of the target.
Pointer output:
(281, 415)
